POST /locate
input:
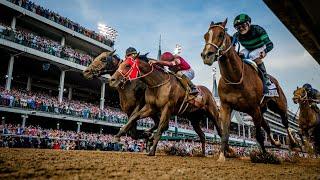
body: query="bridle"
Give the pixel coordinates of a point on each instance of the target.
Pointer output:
(221, 51)
(126, 76)
(303, 98)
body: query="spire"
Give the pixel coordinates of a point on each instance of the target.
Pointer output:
(159, 51)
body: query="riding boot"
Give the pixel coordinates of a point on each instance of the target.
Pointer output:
(264, 77)
(193, 88)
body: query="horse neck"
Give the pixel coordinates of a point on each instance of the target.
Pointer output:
(304, 107)
(154, 78)
(231, 66)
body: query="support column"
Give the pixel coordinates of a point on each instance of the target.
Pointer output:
(207, 123)
(29, 83)
(61, 86)
(3, 120)
(266, 136)
(249, 129)
(58, 125)
(239, 134)
(101, 130)
(70, 93)
(79, 126)
(63, 41)
(176, 121)
(14, 23)
(244, 131)
(103, 90)
(24, 119)
(9, 73)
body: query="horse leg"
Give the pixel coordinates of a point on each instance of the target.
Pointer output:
(279, 106)
(257, 120)
(144, 112)
(224, 119)
(196, 126)
(266, 127)
(163, 124)
(156, 120)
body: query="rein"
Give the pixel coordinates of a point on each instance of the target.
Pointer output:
(126, 76)
(220, 52)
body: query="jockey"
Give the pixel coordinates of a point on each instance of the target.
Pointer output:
(256, 42)
(131, 52)
(314, 95)
(180, 67)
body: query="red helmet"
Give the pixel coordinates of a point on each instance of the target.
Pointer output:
(167, 56)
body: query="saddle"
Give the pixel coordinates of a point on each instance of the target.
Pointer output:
(273, 92)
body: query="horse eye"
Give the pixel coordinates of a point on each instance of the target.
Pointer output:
(128, 65)
(220, 35)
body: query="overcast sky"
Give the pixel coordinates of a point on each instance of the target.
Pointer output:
(140, 23)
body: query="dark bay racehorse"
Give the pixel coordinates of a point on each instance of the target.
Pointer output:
(309, 120)
(164, 95)
(131, 94)
(240, 87)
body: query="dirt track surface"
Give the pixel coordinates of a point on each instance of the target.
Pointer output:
(44, 164)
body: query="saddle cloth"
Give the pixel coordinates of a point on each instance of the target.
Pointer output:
(273, 92)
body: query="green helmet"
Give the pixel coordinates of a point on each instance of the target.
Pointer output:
(241, 18)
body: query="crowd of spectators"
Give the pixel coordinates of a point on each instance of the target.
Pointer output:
(14, 136)
(45, 45)
(37, 137)
(55, 17)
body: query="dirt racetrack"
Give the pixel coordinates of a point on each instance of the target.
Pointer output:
(44, 164)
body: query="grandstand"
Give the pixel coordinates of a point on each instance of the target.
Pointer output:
(43, 56)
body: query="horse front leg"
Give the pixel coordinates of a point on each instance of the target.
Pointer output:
(224, 119)
(163, 124)
(257, 121)
(198, 130)
(144, 112)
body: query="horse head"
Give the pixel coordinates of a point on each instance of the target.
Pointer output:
(217, 42)
(299, 95)
(105, 63)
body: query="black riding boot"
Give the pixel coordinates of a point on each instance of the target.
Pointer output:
(193, 88)
(264, 77)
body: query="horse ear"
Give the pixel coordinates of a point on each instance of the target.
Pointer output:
(297, 87)
(112, 52)
(212, 23)
(225, 22)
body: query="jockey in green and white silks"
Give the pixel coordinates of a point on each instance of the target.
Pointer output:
(256, 42)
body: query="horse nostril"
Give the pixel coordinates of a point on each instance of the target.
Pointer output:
(209, 54)
(112, 79)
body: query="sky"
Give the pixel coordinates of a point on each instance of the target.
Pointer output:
(141, 22)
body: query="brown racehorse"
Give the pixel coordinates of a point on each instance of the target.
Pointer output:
(131, 94)
(240, 87)
(309, 120)
(164, 94)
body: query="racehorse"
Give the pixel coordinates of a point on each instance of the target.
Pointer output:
(131, 94)
(240, 88)
(309, 120)
(166, 95)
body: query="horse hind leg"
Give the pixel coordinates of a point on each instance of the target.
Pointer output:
(266, 127)
(280, 108)
(196, 126)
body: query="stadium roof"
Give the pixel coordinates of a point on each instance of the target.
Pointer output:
(303, 21)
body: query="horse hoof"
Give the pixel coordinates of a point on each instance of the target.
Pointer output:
(221, 158)
(151, 154)
(116, 139)
(277, 144)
